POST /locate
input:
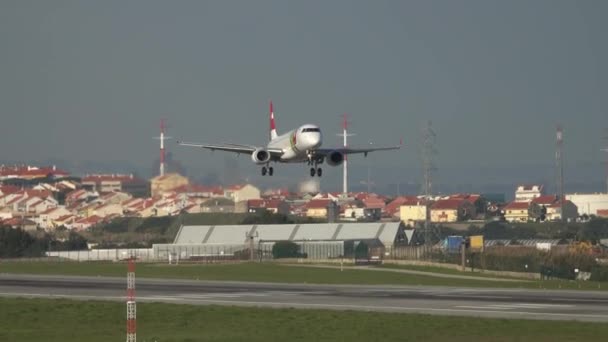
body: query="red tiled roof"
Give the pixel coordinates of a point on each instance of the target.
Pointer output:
(91, 219)
(16, 199)
(557, 204)
(39, 193)
(235, 187)
(318, 203)
(76, 193)
(9, 189)
(471, 198)
(64, 218)
(30, 171)
(447, 204)
(545, 199)
(18, 221)
(602, 212)
(48, 211)
(373, 203)
(36, 203)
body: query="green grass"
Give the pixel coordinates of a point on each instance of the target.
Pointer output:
(444, 270)
(270, 272)
(64, 320)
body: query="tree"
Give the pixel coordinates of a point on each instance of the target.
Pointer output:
(15, 243)
(285, 249)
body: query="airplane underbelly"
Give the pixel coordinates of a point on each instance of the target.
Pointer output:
(290, 155)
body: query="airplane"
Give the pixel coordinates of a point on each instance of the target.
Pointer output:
(301, 145)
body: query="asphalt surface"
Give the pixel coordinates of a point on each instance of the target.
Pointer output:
(480, 302)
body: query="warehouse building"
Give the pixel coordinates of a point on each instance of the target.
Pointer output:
(318, 241)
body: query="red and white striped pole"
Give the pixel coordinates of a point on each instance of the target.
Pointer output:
(162, 147)
(131, 305)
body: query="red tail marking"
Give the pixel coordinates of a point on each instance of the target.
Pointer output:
(272, 125)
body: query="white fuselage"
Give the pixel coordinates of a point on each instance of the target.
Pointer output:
(297, 144)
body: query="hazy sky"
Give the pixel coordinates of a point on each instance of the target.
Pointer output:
(89, 80)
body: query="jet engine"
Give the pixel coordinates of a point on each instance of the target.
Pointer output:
(335, 158)
(260, 156)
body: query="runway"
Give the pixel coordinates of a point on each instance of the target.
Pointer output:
(480, 302)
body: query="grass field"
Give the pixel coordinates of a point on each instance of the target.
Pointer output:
(443, 270)
(64, 320)
(270, 272)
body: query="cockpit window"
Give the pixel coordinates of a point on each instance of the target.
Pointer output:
(304, 130)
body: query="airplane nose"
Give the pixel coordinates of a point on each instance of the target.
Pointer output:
(316, 140)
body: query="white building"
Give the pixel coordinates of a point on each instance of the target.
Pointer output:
(244, 192)
(589, 203)
(526, 193)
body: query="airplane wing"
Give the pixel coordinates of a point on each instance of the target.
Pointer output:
(365, 151)
(236, 148)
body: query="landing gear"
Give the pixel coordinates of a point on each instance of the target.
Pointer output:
(317, 172)
(267, 170)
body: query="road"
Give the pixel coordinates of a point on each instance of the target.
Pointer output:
(479, 302)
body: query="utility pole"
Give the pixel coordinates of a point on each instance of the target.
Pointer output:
(559, 165)
(162, 139)
(345, 135)
(428, 151)
(606, 150)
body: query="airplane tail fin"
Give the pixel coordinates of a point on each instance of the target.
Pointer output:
(273, 127)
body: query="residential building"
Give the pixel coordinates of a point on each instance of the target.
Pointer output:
(275, 206)
(166, 183)
(104, 183)
(526, 193)
(317, 208)
(553, 207)
(412, 211)
(244, 192)
(30, 172)
(199, 191)
(108, 209)
(452, 210)
(517, 211)
(21, 222)
(393, 208)
(353, 211)
(218, 205)
(46, 220)
(589, 204)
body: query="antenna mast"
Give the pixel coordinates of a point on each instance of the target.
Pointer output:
(606, 150)
(559, 164)
(162, 139)
(428, 151)
(345, 135)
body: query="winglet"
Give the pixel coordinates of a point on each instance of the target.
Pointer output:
(273, 127)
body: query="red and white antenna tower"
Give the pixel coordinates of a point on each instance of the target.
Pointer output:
(345, 134)
(162, 139)
(131, 305)
(559, 163)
